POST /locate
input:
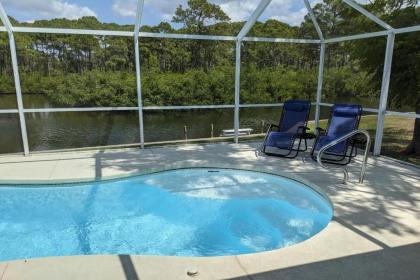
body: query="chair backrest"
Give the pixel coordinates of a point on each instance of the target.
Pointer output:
(344, 119)
(295, 114)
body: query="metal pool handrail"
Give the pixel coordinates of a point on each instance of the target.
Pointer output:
(341, 139)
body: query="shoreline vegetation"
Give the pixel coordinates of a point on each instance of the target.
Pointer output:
(87, 70)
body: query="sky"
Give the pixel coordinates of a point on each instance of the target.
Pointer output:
(155, 11)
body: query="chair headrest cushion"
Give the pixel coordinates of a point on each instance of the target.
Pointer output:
(297, 106)
(347, 110)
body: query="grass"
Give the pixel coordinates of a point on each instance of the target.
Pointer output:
(398, 133)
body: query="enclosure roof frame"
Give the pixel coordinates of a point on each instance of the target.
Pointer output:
(367, 14)
(139, 16)
(5, 19)
(253, 19)
(314, 21)
(263, 4)
(240, 36)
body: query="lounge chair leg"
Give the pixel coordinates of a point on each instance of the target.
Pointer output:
(346, 176)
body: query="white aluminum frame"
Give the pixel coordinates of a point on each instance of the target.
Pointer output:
(140, 6)
(314, 21)
(320, 83)
(369, 15)
(321, 62)
(383, 102)
(241, 37)
(237, 90)
(245, 29)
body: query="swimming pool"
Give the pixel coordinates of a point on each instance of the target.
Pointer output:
(184, 212)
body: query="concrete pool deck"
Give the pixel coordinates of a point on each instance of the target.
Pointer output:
(375, 232)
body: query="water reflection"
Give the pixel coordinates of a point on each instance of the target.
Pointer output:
(10, 138)
(51, 131)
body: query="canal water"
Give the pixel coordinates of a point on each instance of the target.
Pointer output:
(51, 131)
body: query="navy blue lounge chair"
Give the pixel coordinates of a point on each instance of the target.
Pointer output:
(344, 118)
(292, 128)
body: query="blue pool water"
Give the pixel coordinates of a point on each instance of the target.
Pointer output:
(187, 212)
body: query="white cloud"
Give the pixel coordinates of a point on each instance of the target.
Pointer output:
(292, 18)
(288, 11)
(237, 10)
(48, 9)
(125, 8)
(164, 9)
(284, 10)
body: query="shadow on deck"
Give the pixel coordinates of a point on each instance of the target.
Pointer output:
(389, 263)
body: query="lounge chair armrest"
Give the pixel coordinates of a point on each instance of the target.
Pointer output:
(359, 139)
(302, 129)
